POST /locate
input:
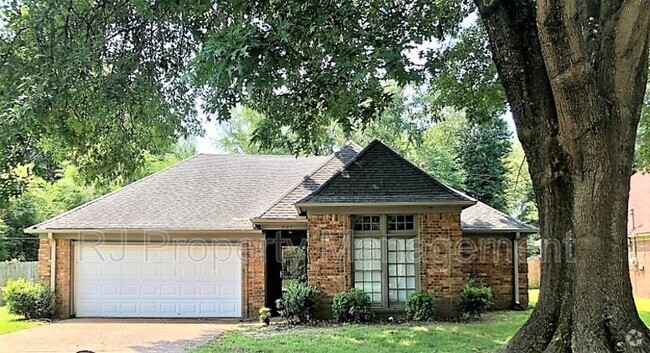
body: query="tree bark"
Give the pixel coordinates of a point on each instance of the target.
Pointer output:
(574, 73)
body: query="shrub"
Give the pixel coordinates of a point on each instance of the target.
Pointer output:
(297, 303)
(352, 306)
(265, 315)
(420, 306)
(474, 300)
(29, 299)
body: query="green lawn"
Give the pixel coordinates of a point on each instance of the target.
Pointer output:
(10, 323)
(440, 337)
(642, 305)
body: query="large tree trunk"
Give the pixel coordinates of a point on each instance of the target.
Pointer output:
(575, 72)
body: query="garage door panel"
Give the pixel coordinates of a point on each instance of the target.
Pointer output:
(134, 281)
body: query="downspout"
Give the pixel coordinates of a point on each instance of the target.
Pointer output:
(52, 262)
(515, 255)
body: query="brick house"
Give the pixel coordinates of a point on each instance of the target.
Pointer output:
(638, 226)
(205, 238)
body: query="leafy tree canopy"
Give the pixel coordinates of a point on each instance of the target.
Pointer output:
(482, 152)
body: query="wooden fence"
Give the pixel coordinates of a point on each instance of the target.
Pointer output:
(534, 271)
(13, 270)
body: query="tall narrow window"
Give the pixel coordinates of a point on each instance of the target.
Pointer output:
(385, 258)
(401, 269)
(367, 267)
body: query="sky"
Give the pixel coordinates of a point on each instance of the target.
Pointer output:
(205, 144)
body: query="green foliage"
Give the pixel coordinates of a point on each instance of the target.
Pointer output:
(482, 153)
(520, 195)
(304, 65)
(265, 315)
(438, 150)
(97, 84)
(642, 156)
(29, 299)
(352, 306)
(297, 303)
(533, 247)
(15, 244)
(420, 306)
(43, 199)
(474, 300)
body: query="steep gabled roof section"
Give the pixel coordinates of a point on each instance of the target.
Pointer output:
(284, 208)
(378, 174)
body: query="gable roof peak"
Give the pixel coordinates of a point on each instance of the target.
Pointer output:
(379, 174)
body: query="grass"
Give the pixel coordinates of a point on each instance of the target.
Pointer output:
(478, 337)
(11, 323)
(642, 305)
(440, 337)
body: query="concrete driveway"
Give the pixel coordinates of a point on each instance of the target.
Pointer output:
(115, 335)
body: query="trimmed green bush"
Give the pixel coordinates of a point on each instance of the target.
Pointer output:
(29, 299)
(297, 303)
(352, 306)
(474, 300)
(420, 306)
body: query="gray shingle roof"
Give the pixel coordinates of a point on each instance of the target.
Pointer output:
(284, 208)
(223, 192)
(379, 174)
(483, 217)
(205, 192)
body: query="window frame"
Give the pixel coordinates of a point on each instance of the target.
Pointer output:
(384, 234)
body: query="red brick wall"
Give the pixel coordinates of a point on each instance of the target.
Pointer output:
(44, 255)
(488, 262)
(441, 269)
(446, 260)
(253, 277)
(63, 295)
(639, 271)
(328, 266)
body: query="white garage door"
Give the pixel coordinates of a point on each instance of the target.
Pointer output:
(157, 281)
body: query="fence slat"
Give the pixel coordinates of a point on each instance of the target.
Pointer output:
(13, 270)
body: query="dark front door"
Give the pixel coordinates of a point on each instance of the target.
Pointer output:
(277, 242)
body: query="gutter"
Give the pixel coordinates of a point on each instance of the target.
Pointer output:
(515, 255)
(52, 262)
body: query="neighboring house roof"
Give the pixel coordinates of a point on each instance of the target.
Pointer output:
(205, 192)
(639, 204)
(482, 217)
(224, 192)
(379, 174)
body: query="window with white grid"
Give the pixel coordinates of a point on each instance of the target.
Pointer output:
(385, 258)
(401, 269)
(367, 267)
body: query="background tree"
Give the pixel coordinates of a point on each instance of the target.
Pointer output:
(44, 199)
(22, 213)
(482, 152)
(643, 137)
(81, 83)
